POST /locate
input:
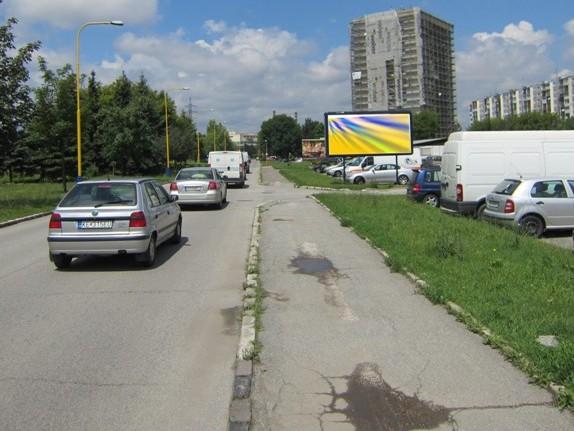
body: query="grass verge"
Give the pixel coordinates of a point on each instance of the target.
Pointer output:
(518, 287)
(23, 199)
(302, 174)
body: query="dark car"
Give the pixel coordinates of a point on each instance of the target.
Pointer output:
(321, 164)
(426, 186)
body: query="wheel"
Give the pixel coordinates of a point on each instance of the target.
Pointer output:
(532, 225)
(431, 200)
(61, 261)
(337, 173)
(242, 184)
(148, 257)
(403, 180)
(359, 180)
(479, 213)
(225, 197)
(176, 238)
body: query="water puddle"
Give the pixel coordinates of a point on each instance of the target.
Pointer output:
(282, 219)
(311, 265)
(370, 404)
(230, 320)
(279, 297)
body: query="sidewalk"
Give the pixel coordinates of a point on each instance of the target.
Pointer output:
(348, 345)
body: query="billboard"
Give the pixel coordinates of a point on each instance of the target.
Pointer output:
(368, 133)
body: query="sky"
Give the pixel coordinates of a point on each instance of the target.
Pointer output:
(244, 59)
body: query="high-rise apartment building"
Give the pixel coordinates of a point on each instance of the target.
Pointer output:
(554, 96)
(404, 59)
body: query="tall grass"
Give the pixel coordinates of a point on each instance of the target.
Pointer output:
(517, 286)
(22, 199)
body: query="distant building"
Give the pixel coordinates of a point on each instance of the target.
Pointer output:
(404, 59)
(555, 96)
(241, 139)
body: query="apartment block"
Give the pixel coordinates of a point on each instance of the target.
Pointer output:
(403, 59)
(554, 96)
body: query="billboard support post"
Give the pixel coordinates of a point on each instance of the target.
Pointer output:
(397, 169)
(344, 171)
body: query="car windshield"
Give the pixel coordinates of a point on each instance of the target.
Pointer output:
(506, 187)
(355, 162)
(195, 174)
(99, 194)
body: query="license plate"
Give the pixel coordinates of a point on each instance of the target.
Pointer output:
(193, 189)
(493, 204)
(95, 224)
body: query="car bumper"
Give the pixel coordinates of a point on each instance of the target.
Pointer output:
(454, 207)
(500, 219)
(199, 198)
(76, 245)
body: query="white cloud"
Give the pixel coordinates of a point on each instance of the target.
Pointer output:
(72, 13)
(569, 27)
(214, 26)
(496, 62)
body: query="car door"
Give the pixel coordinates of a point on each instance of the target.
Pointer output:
(551, 200)
(385, 173)
(168, 212)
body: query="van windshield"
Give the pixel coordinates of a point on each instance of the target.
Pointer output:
(355, 162)
(506, 187)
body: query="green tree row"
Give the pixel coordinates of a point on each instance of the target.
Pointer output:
(527, 121)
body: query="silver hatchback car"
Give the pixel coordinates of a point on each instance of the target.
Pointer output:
(532, 206)
(113, 217)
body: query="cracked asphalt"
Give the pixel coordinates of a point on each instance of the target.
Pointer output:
(349, 345)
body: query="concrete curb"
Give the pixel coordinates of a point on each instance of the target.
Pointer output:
(21, 219)
(240, 407)
(460, 314)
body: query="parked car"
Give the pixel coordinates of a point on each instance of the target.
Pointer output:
(532, 206)
(230, 165)
(322, 164)
(113, 217)
(199, 186)
(425, 186)
(383, 173)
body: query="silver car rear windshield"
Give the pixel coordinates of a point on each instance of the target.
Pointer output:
(195, 174)
(507, 187)
(100, 194)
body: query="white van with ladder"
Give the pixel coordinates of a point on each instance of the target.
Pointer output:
(229, 164)
(473, 163)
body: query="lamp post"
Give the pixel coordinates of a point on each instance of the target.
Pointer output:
(167, 163)
(78, 111)
(197, 146)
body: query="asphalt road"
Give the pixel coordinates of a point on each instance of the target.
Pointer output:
(107, 345)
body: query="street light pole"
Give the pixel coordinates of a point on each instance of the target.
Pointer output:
(167, 161)
(78, 110)
(197, 146)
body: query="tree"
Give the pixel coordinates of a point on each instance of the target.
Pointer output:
(217, 136)
(93, 147)
(425, 125)
(312, 129)
(183, 140)
(15, 103)
(282, 134)
(527, 121)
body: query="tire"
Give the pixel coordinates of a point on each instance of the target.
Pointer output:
(176, 238)
(532, 225)
(431, 200)
(225, 197)
(403, 180)
(242, 184)
(337, 173)
(61, 261)
(148, 257)
(359, 180)
(479, 213)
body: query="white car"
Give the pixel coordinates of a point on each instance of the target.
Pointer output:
(383, 173)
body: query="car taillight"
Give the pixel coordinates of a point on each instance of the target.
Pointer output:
(416, 188)
(137, 219)
(509, 206)
(213, 185)
(173, 187)
(55, 221)
(459, 194)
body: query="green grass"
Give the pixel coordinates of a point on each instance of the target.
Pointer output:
(518, 287)
(22, 199)
(302, 175)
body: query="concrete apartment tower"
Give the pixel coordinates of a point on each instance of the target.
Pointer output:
(404, 59)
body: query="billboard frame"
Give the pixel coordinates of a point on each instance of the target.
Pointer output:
(326, 120)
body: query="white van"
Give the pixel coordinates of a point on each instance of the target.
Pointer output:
(229, 165)
(246, 161)
(473, 163)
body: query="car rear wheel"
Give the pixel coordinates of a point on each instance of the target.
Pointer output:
(532, 225)
(479, 213)
(403, 180)
(359, 180)
(148, 257)
(337, 174)
(176, 238)
(61, 261)
(431, 200)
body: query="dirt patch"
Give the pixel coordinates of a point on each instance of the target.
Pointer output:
(275, 296)
(230, 320)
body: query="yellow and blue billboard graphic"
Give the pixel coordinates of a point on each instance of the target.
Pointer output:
(368, 133)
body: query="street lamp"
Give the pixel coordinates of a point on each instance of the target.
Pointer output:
(78, 112)
(167, 168)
